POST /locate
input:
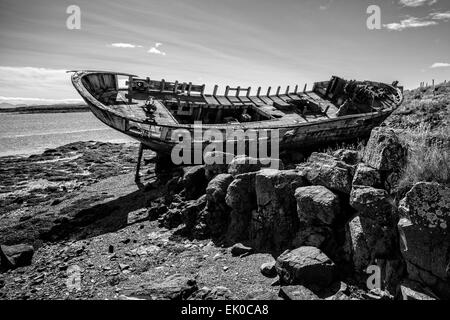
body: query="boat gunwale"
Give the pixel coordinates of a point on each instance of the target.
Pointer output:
(262, 125)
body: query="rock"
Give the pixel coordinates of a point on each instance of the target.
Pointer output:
(325, 170)
(410, 290)
(268, 269)
(378, 221)
(216, 162)
(350, 157)
(217, 188)
(317, 203)
(275, 222)
(244, 164)
(371, 201)
(297, 293)
(239, 249)
(423, 227)
(262, 295)
(306, 266)
(137, 216)
(191, 213)
(15, 256)
(384, 151)
(241, 198)
(171, 219)
(359, 248)
(194, 181)
(366, 176)
(216, 293)
(175, 287)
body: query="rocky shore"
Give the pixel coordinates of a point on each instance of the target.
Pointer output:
(337, 224)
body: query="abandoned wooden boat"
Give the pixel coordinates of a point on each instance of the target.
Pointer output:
(150, 111)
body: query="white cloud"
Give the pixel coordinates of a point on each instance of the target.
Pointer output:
(411, 22)
(155, 50)
(125, 45)
(440, 65)
(417, 3)
(21, 100)
(440, 15)
(36, 83)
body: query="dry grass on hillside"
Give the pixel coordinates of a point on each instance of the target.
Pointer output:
(428, 156)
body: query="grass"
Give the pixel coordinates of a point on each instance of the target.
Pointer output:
(428, 156)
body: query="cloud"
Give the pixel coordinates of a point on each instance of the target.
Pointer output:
(36, 83)
(125, 45)
(21, 100)
(440, 15)
(411, 22)
(326, 6)
(440, 65)
(155, 50)
(417, 3)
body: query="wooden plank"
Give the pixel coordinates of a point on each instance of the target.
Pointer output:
(279, 101)
(266, 100)
(209, 99)
(223, 101)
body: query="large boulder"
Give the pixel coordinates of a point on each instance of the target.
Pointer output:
(217, 188)
(15, 256)
(275, 222)
(423, 227)
(297, 293)
(317, 204)
(325, 170)
(243, 164)
(306, 266)
(217, 210)
(241, 198)
(216, 162)
(350, 157)
(194, 181)
(357, 242)
(384, 151)
(366, 176)
(378, 220)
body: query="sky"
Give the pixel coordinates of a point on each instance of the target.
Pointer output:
(235, 42)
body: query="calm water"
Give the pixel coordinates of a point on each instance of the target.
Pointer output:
(24, 134)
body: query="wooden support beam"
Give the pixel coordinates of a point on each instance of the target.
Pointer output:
(278, 90)
(258, 92)
(238, 91)
(130, 89)
(296, 88)
(175, 88)
(163, 83)
(268, 91)
(216, 87)
(248, 91)
(227, 89)
(304, 88)
(189, 88)
(287, 90)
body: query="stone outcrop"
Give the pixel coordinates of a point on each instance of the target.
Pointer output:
(274, 223)
(425, 217)
(244, 164)
(217, 210)
(241, 198)
(15, 256)
(366, 176)
(325, 170)
(359, 249)
(384, 151)
(377, 219)
(194, 181)
(317, 205)
(307, 266)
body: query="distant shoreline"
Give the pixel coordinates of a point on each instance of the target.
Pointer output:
(46, 109)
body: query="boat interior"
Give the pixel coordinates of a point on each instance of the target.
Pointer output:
(175, 103)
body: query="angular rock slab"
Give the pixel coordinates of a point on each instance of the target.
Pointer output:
(424, 234)
(274, 224)
(307, 266)
(325, 170)
(359, 248)
(384, 151)
(366, 176)
(244, 164)
(317, 203)
(15, 256)
(175, 287)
